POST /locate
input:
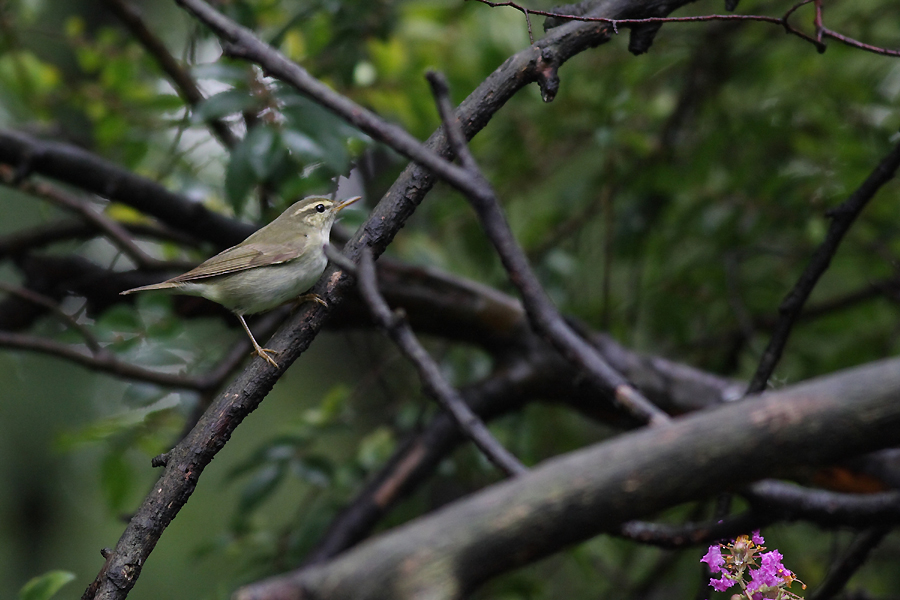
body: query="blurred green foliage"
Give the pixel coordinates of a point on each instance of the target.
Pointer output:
(44, 587)
(671, 198)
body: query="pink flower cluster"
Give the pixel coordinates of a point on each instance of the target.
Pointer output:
(768, 579)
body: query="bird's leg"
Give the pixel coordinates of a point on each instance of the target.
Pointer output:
(314, 297)
(262, 352)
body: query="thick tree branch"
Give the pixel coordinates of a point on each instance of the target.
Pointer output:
(115, 231)
(91, 173)
(597, 489)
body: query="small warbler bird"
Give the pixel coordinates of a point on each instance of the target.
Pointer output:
(276, 264)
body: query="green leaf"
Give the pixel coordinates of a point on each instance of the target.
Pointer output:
(263, 147)
(223, 104)
(301, 145)
(328, 132)
(261, 486)
(222, 71)
(45, 586)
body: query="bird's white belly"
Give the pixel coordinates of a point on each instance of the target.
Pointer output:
(262, 288)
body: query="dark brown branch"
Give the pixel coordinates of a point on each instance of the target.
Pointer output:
(23, 240)
(116, 232)
(434, 383)
(184, 83)
(597, 489)
(101, 360)
(544, 316)
(91, 173)
(842, 218)
(48, 303)
(827, 509)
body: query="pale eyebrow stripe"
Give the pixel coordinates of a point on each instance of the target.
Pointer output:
(309, 207)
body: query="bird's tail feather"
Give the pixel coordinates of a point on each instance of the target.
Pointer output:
(165, 285)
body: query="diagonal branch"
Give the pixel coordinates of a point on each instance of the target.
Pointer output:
(541, 311)
(185, 85)
(450, 400)
(847, 565)
(842, 218)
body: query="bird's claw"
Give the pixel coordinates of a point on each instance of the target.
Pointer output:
(264, 353)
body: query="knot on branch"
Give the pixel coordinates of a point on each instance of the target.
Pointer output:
(547, 75)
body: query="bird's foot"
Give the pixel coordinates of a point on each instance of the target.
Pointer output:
(313, 297)
(264, 353)
(260, 351)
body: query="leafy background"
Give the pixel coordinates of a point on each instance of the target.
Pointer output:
(671, 198)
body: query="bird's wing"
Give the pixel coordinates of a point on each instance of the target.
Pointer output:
(241, 258)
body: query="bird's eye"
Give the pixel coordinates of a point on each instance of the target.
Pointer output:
(320, 208)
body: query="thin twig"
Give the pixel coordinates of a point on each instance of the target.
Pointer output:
(541, 311)
(102, 361)
(434, 383)
(666, 535)
(116, 232)
(821, 31)
(48, 303)
(185, 85)
(842, 218)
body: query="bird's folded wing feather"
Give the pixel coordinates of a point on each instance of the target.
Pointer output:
(241, 258)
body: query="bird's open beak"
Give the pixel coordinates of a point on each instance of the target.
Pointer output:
(346, 203)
